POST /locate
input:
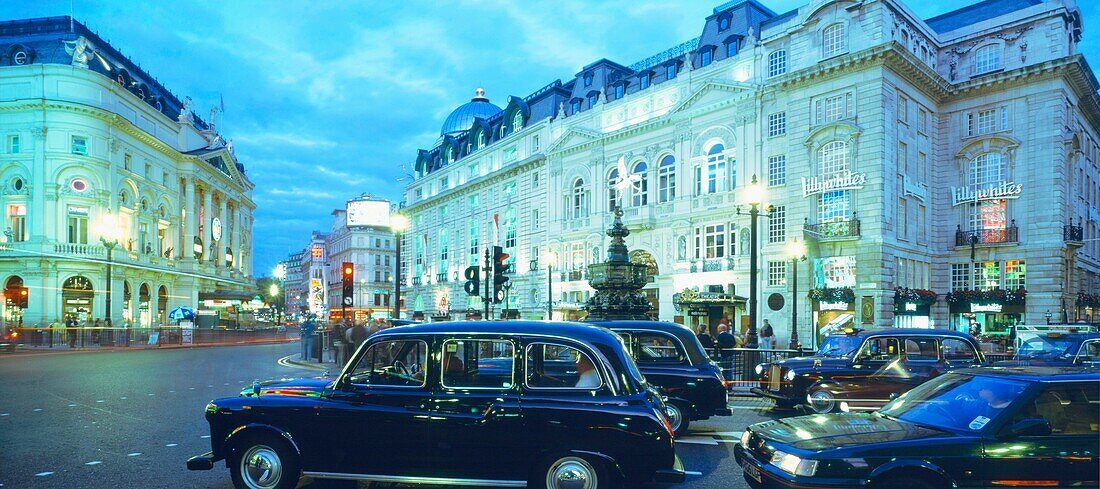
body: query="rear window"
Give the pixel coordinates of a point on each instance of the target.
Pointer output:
(956, 351)
(922, 349)
(657, 348)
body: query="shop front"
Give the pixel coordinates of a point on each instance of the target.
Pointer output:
(710, 309)
(832, 310)
(990, 315)
(228, 309)
(913, 308)
(1087, 308)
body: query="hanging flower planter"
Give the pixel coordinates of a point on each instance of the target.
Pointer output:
(991, 296)
(920, 297)
(1088, 300)
(833, 294)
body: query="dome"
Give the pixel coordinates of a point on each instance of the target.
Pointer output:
(463, 117)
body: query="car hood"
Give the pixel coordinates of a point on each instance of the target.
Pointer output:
(802, 363)
(310, 387)
(825, 431)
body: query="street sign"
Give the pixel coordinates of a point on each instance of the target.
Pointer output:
(347, 301)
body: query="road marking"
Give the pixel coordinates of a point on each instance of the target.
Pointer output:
(692, 472)
(71, 405)
(191, 388)
(133, 454)
(150, 394)
(38, 410)
(172, 392)
(93, 462)
(43, 474)
(697, 440)
(101, 400)
(205, 436)
(171, 445)
(5, 414)
(123, 398)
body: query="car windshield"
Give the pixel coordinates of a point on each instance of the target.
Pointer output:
(1042, 346)
(838, 345)
(956, 402)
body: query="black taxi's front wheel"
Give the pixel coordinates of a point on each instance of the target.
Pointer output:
(574, 472)
(264, 461)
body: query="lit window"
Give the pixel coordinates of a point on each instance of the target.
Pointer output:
(666, 179)
(777, 274)
(643, 81)
(716, 170)
(1014, 274)
(834, 41)
(13, 144)
(714, 241)
(79, 145)
(987, 275)
(777, 224)
(517, 121)
(960, 276)
(777, 124)
(987, 59)
(580, 199)
(639, 193)
(670, 71)
(620, 89)
(777, 170)
(777, 63)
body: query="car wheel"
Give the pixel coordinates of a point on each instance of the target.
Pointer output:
(677, 417)
(264, 461)
(573, 472)
(821, 401)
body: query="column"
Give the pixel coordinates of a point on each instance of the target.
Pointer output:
(208, 213)
(219, 254)
(36, 211)
(235, 237)
(185, 248)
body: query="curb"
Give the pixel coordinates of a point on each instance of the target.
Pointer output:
(289, 361)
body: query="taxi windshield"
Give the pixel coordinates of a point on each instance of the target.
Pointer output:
(838, 345)
(956, 402)
(1042, 346)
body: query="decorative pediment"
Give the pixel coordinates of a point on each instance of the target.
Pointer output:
(842, 130)
(573, 136)
(987, 144)
(712, 91)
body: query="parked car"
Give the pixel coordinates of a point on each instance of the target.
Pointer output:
(862, 370)
(980, 427)
(1056, 348)
(673, 360)
(456, 403)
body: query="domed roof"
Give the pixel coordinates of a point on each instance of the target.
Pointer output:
(463, 117)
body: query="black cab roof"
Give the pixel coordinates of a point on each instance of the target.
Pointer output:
(1037, 374)
(683, 333)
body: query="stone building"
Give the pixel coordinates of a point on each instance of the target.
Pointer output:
(97, 152)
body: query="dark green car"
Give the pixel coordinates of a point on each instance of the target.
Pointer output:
(981, 427)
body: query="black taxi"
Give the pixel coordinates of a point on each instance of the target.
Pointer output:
(862, 370)
(499, 404)
(672, 359)
(1056, 348)
(980, 427)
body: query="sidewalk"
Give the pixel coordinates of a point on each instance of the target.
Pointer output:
(23, 349)
(329, 363)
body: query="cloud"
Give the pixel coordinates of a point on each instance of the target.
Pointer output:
(270, 138)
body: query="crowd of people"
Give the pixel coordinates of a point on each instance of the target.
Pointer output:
(348, 333)
(729, 339)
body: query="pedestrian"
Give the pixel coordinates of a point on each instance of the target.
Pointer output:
(767, 337)
(55, 327)
(307, 330)
(95, 331)
(70, 331)
(726, 343)
(704, 338)
(110, 332)
(359, 334)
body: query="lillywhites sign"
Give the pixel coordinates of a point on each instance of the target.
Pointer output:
(817, 185)
(966, 195)
(985, 308)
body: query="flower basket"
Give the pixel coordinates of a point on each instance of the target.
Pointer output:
(1088, 300)
(832, 294)
(920, 297)
(990, 296)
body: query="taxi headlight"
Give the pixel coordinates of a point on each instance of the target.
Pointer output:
(745, 435)
(793, 464)
(791, 375)
(759, 369)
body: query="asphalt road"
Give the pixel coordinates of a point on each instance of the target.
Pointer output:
(132, 418)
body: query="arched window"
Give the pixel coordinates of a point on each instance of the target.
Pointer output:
(989, 217)
(612, 179)
(666, 179)
(833, 158)
(724, 23)
(714, 178)
(580, 199)
(639, 194)
(987, 58)
(833, 205)
(834, 41)
(517, 121)
(777, 63)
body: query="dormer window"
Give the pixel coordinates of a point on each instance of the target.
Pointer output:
(670, 71)
(480, 139)
(592, 98)
(723, 22)
(620, 90)
(588, 79)
(575, 106)
(706, 57)
(987, 59)
(731, 48)
(503, 131)
(643, 80)
(517, 121)
(834, 41)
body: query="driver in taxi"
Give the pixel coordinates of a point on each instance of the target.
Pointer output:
(587, 376)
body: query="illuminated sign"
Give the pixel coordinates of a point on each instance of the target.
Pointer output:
(985, 308)
(832, 306)
(966, 195)
(909, 306)
(368, 213)
(317, 252)
(848, 181)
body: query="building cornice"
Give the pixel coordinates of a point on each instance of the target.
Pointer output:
(479, 183)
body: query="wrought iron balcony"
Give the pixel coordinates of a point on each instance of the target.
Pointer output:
(442, 278)
(1007, 234)
(1073, 235)
(416, 281)
(833, 230)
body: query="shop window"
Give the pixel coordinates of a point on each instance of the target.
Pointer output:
(1015, 272)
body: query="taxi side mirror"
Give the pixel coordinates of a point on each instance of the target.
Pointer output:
(1030, 427)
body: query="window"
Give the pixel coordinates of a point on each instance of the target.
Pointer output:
(510, 229)
(777, 273)
(777, 224)
(714, 241)
(472, 201)
(777, 124)
(655, 348)
(78, 225)
(879, 350)
(535, 180)
(777, 63)
(517, 121)
(643, 81)
(1070, 408)
(78, 185)
(958, 352)
(612, 193)
(987, 275)
(79, 145)
(551, 366)
(13, 144)
(960, 276)
(444, 249)
(903, 160)
(472, 232)
(777, 170)
(575, 106)
(477, 364)
(705, 57)
(666, 179)
(833, 108)
(580, 199)
(17, 221)
(535, 142)
(922, 350)
(834, 41)
(723, 23)
(20, 57)
(639, 194)
(620, 90)
(833, 158)
(399, 363)
(987, 59)
(922, 120)
(670, 71)
(1015, 270)
(903, 109)
(509, 188)
(988, 169)
(834, 206)
(593, 98)
(731, 48)
(534, 219)
(588, 79)
(716, 170)
(988, 121)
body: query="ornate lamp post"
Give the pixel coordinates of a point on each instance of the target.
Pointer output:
(109, 236)
(796, 251)
(398, 223)
(280, 274)
(754, 197)
(549, 259)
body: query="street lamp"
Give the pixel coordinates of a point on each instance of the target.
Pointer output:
(796, 250)
(550, 258)
(398, 223)
(109, 236)
(280, 273)
(1048, 315)
(754, 196)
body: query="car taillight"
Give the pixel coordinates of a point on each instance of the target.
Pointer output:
(664, 421)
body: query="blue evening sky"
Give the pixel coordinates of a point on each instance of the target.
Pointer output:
(327, 100)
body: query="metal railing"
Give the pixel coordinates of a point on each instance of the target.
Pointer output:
(739, 364)
(1071, 233)
(1007, 234)
(169, 335)
(848, 228)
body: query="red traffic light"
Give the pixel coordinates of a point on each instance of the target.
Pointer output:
(23, 292)
(349, 269)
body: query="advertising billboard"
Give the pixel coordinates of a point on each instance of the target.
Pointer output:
(368, 213)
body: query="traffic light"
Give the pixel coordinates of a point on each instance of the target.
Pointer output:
(473, 280)
(24, 293)
(499, 269)
(348, 272)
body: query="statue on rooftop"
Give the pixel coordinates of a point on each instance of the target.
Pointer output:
(185, 112)
(80, 49)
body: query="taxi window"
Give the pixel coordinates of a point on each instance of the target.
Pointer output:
(1071, 408)
(1090, 352)
(657, 348)
(551, 366)
(880, 350)
(477, 364)
(921, 349)
(397, 363)
(959, 352)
